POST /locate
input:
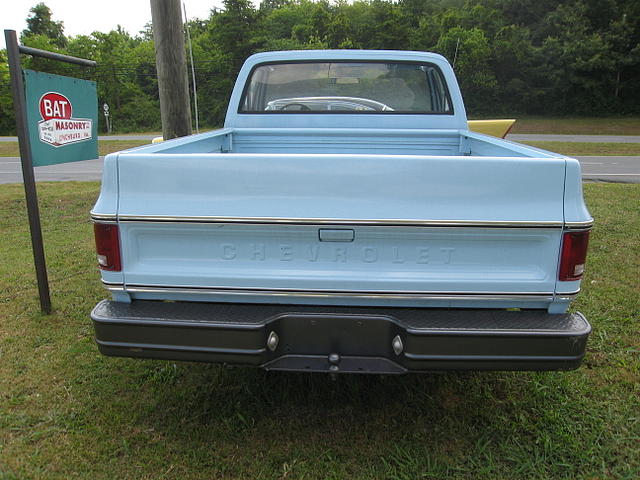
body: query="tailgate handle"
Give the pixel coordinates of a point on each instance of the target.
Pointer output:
(336, 234)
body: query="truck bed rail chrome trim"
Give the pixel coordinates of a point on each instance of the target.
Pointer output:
(342, 221)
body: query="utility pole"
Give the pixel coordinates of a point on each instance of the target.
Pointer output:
(175, 111)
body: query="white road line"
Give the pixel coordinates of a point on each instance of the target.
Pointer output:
(614, 174)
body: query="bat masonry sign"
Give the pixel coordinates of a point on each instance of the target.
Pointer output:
(62, 116)
(56, 122)
(58, 127)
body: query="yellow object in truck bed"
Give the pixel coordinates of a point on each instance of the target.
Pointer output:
(495, 128)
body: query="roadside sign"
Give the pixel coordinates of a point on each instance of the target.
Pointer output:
(105, 110)
(55, 124)
(62, 115)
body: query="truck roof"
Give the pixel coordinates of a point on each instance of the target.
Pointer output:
(401, 55)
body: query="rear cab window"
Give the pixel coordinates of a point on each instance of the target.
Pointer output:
(346, 87)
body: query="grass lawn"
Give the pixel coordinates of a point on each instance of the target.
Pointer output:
(578, 125)
(588, 148)
(67, 412)
(10, 149)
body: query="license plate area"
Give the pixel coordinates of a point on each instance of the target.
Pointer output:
(344, 335)
(334, 342)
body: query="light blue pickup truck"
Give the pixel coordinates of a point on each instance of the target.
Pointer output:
(344, 220)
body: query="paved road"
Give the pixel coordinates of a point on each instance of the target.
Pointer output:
(11, 171)
(574, 138)
(101, 137)
(611, 169)
(604, 169)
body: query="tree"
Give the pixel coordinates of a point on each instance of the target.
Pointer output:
(7, 119)
(513, 57)
(268, 5)
(39, 22)
(472, 54)
(233, 30)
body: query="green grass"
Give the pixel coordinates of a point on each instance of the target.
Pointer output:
(578, 125)
(10, 149)
(67, 412)
(588, 148)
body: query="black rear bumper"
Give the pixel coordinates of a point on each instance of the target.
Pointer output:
(342, 339)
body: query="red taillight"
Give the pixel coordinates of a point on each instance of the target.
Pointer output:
(107, 246)
(574, 255)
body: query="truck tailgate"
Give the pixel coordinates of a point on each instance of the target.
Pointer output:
(341, 224)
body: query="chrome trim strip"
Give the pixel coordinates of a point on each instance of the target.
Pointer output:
(113, 287)
(537, 296)
(567, 296)
(341, 221)
(97, 217)
(334, 221)
(587, 224)
(119, 287)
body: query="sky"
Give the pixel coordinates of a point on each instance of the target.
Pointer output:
(86, 16)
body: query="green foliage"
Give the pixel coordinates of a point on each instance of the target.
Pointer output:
(471, 53)
(39, 22)
(7, 119)
(512, 57)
